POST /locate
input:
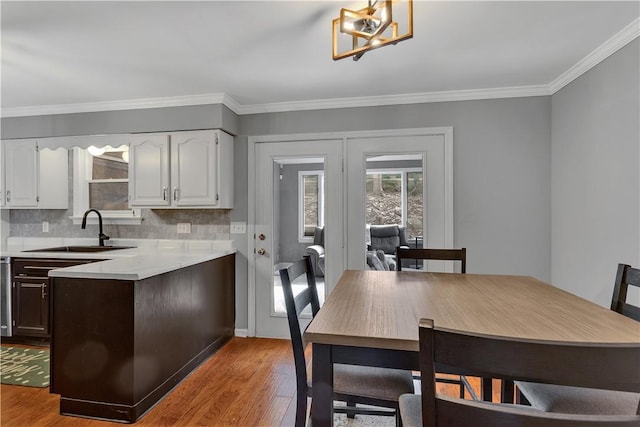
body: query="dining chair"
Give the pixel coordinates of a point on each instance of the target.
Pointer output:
(432, 254)
(557, 362)
(444, 255)
(380, 387)
(626, 276)
(553, 398)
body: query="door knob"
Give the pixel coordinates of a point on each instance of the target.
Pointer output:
(261, 236)
(261, 251)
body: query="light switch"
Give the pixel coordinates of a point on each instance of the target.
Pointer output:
(238, 228)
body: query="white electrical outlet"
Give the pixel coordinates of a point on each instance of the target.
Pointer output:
(45, 226)
(238, 228)
(184, 227)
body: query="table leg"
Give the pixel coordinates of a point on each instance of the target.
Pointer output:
(322, 386)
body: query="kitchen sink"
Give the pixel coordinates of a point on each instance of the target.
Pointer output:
(80, 249)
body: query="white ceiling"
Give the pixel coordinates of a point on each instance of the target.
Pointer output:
(268, 55)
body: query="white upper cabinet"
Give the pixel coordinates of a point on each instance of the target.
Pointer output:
(182, 169)
(53, 178)
(34, 178)
(149, 170)
(2, 172)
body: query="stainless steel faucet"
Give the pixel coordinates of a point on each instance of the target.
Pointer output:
(101, 237)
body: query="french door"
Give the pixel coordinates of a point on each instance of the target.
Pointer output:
(298, 186)
(278, 233)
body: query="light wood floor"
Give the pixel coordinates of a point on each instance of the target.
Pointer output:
(249, 382)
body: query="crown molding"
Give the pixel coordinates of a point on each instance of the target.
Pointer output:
(130, 104)
(602, 52)
(622, 38)
(412, 98)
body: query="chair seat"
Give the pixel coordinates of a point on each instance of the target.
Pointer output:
(577, 400)
(369, 382)
(411, 408)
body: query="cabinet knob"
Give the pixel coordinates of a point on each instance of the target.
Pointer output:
(8, 195)
(261, 236)
(261, 251)
(164, 193)
(175, 194)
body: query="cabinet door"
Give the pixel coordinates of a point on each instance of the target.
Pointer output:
(31, 306)
(149, 170)
(2, 172)
(53, 178)
(194, 174)
(21, 163)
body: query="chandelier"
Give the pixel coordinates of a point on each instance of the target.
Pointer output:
(369, 28)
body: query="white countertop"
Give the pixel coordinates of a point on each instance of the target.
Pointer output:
(148, 258)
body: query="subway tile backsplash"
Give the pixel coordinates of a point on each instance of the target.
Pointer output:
(206, 224)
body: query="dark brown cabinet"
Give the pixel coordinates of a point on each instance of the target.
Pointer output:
(30, 294)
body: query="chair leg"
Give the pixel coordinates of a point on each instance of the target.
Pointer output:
(301, 410)
(351, 414)
(461, 388)
(398, 417)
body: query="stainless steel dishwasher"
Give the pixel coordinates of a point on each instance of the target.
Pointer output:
(5, 302)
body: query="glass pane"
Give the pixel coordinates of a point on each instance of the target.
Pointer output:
(298, 184)
(311, 204)
(110, 166)
(112, 196)
(384, 198)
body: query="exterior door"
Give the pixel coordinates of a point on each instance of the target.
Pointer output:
(298, 186)
(433, 148)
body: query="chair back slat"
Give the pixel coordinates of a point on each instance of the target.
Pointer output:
(295, 306)
(433, 254)
(625, 277)
(594, 365)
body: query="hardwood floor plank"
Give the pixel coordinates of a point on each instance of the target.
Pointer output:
(248, 382)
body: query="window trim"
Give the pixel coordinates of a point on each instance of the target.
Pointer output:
(301, 237)
(82, 165)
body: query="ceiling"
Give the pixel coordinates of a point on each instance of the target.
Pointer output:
(276, 55)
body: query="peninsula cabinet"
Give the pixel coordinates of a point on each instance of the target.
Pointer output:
(181, 169)
(33, 178)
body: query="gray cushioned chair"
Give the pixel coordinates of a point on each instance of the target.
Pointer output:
(556, 362)
(553, 398)
(316, 252)
(352, 384)
(387, 238)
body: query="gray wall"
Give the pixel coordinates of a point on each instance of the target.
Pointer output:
(595, 179)
(502, 157)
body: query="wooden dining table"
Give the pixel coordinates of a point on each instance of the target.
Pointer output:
(371, 318)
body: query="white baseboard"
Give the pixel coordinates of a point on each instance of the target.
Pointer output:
(243, 333)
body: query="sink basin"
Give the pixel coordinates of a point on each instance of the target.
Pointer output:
(81, 249)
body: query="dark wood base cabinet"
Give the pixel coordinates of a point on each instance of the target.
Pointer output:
(118, 347)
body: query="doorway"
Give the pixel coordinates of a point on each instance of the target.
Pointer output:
(419, 161)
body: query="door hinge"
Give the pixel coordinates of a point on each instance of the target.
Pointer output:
(217, 197)
(37, 198)
(216, 139)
